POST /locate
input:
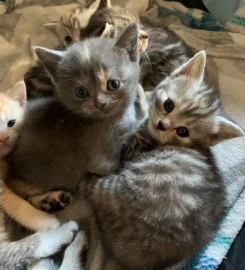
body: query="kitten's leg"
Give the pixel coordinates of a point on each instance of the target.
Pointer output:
(25, 214)
(19, 254)
(72, 256)
(51, 201)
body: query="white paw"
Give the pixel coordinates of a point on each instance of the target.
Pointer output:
(79, 243)
(53, 241)
(72, 256)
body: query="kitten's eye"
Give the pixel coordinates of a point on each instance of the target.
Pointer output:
(81, 92)
(68, 39)
(182, 132)
(113, 85)
(11, 123)
(168, 105)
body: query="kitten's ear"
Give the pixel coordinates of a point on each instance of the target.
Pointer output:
(18, 92)
(194, 68)
(104, 4)
(52, 27)
(225, 129)
(50, 59)
(128, 40)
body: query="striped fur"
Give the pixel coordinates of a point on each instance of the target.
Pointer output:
(168, 199)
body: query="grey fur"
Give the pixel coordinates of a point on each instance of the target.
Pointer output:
(63, 139)
(168, 200)
(20, 254)
(164, 53)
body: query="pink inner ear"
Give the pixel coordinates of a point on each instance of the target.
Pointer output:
(18, 92)
(195, 67)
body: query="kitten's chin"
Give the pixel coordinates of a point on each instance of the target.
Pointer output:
(105, 113)
(5, 149)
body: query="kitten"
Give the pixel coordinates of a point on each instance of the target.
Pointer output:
(167, 202)
(164, 53)
(16, 255)
(84, 128)
(165, 50)
(12, 112)
(38, 82)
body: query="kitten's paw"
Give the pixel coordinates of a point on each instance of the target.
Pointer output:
(49, 243)
(51, 201)
(72, 256)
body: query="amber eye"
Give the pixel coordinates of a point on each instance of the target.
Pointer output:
(113, 85)
(11, 123)
(68, 39)
(182, 132)
(168, 105)
(81, 92)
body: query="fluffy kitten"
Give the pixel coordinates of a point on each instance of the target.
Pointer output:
(85, 128)
(167, 202)
(16, 255)
(12, 112)
(67, 30)
(165, 51)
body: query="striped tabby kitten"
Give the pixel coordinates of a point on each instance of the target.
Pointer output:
(20, 254)
(167, 202)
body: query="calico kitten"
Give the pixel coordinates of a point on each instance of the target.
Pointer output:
(17, 255)
(167, 202)
(84, 128)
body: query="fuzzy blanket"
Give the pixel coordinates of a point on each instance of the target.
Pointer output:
(21, 26)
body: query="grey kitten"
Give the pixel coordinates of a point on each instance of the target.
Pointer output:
(85, 128)
(68, 29)
(167, 202)
(164, 53)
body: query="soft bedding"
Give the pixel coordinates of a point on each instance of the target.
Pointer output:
(21, 27)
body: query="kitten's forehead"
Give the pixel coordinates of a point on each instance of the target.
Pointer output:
(191, 98)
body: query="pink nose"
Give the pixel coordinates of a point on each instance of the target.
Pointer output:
(4, 139)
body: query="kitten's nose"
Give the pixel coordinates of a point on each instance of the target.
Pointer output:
(100, 101)
(161, 126)
(100, 105)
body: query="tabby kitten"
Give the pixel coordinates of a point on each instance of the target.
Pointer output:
(167, 202)
(20, 254)
(84, 129)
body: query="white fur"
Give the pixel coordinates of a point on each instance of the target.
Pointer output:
(52, 241)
